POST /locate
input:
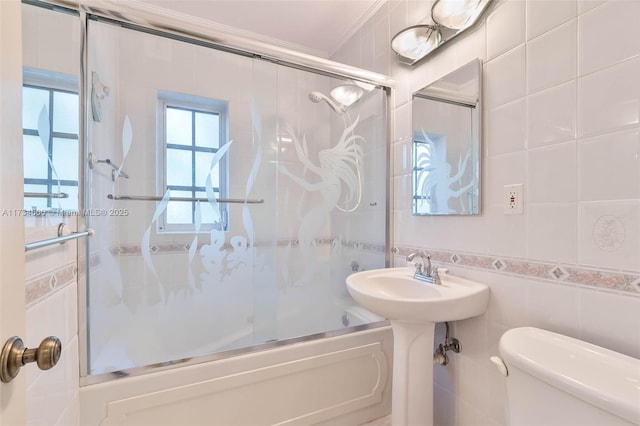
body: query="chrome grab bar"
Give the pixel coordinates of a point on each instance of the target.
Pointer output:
(189, 199)
(60, 239)
(46, 195)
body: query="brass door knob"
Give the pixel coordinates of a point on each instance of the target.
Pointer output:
(14, 355)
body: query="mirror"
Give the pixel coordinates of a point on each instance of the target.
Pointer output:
(446, 144)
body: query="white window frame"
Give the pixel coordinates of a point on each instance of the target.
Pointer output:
(201, 104)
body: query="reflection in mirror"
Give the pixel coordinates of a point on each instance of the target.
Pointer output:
(50, 111)
(446, 144)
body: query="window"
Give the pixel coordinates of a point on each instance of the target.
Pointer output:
(192, 129)
(51, 165)
(429, 157)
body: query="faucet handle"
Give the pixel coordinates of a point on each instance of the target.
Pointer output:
(436, 276)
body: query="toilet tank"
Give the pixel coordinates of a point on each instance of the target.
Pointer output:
(555, 380)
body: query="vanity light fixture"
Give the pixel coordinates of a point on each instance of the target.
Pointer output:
(457, 14)
(415, 42)
(450, 17)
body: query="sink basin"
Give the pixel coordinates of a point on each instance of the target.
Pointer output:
(414, 307)
(396, 295)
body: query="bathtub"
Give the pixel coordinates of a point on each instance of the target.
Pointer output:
(340, 378)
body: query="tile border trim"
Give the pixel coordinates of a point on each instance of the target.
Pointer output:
(43, 284)
(39, 286)
(165, 248)
(601, 278)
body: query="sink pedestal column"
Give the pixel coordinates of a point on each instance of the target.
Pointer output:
(412, 397)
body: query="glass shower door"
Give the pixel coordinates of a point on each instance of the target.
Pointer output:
(231, 196)
(177, 147)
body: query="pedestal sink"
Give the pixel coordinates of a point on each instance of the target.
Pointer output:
(413, 307)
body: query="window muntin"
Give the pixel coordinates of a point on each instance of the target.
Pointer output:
(50, 166)
(192, 131)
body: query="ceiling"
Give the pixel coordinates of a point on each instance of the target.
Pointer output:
(317, 27)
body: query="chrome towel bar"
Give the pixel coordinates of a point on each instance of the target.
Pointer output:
(188, 199)
(46, 195)
(61, 238)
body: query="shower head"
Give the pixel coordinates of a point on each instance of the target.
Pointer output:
(318, 97)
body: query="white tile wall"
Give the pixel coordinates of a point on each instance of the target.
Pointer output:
(52, 395)
(551, 58)
(551, 115)
(601, 49)
(562, 115)
(602, 312)
(553, 232)
(560, 312)
(586, 5)
(543, 15)
(552, 174)
(609, 99)
(608, 166)
(505, 28)
(507, 234)
(507, 128)
(505, 78)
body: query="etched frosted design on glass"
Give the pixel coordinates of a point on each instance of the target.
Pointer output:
(217, 262)
(153, 294)
(33, 101)
(338, 180)
(44, 131)
(435, 185)
(193, 248)
(207, 212)
(127, 140)
(339, 173)
(203, 161)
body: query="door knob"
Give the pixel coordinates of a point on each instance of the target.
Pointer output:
(14, 355)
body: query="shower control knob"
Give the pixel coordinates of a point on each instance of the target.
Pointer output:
(14, 355)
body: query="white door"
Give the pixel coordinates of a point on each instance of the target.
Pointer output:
(12, 295)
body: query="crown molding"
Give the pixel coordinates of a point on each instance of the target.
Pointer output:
(357, 26)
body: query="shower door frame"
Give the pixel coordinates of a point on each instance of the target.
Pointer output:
(192, 31)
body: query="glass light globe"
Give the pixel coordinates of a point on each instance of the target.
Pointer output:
(415, 42)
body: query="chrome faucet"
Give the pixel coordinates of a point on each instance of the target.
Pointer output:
(424, 270)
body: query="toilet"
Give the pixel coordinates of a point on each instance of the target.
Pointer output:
(555, 380)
